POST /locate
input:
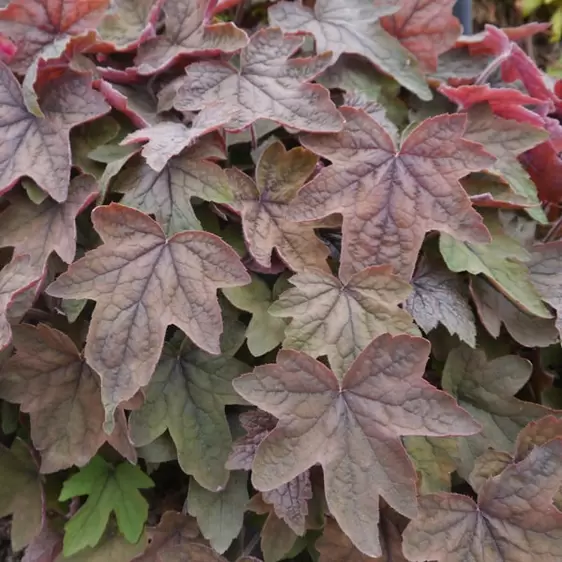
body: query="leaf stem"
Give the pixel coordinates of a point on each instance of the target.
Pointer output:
(492, 67)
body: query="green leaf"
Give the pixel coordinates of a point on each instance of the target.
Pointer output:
(501, 262)
(109, 489)
(220, 515)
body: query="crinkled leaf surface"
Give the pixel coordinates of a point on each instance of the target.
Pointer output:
(20, 493)
(40, 147)
(265, 331)
(501, 261)
(263, 206)
(187, 395)
(390, 197)
(494, 310)
(39, 230)
(351, 427)
(486, 389)
(51, 381)
(440, 297)
(267, 85)
(427, 28)
(353, 27)
(167, 194)
(15, 279)
(142, 282)
(546, 275)
(186, 33)
(109, 489)
(340, 319)
(514, 519)
(38, 26)
(220, 515)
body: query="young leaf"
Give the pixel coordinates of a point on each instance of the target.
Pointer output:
(143, 282)
(389, 196)
(43, 27)
(351, 427)
(486, 389)
(187, 395)
(21, 493)
(220, 515)
(340, 319)
(500, 261)
(514, 518)
(268, 85)
(167, 194)
(109, 489)
(40, 147)
(16, 278)
(427, 28)
(50, 380)
(494, 310)
(263, 204)
(264, 332)
(40, 230)
(546, 275)
(440, 297)
(353, 27)
(186, 33)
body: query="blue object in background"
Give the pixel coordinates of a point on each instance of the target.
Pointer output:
(463, 11)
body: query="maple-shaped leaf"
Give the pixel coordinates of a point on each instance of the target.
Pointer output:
(425, 27)
(142, 282)
(546, 275)
(50, 380)
(266, 84)
(109, 489)
(187, 396)
(167, 194)
(263, 205)
(502, 262)
(340, 319)
(39, 230)
(264, 331)
(494, 310)
(21, 493)
(486, 389)
(353, 27)
(352, 427)
(38, 26)
(19, 276)
(289, 501)
(220, 515)
(187, 33)
(391, 196)
(440, 297)
(39, 147)
(513, 519)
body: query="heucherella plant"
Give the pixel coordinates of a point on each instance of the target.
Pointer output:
(279, 280)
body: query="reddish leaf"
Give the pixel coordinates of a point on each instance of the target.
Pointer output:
(546, 275)
(263, 205)
(15, 278)
(51, 381)
(267, 85)
(513, 520)
(340, 319)
(351, 427)
(427, 28)
(187, 33)
(417, 189)
(39, 230)
(143, 282)
(45, 547)
(352, 27)
(545, 168)
(35, 26)
(40, 148)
